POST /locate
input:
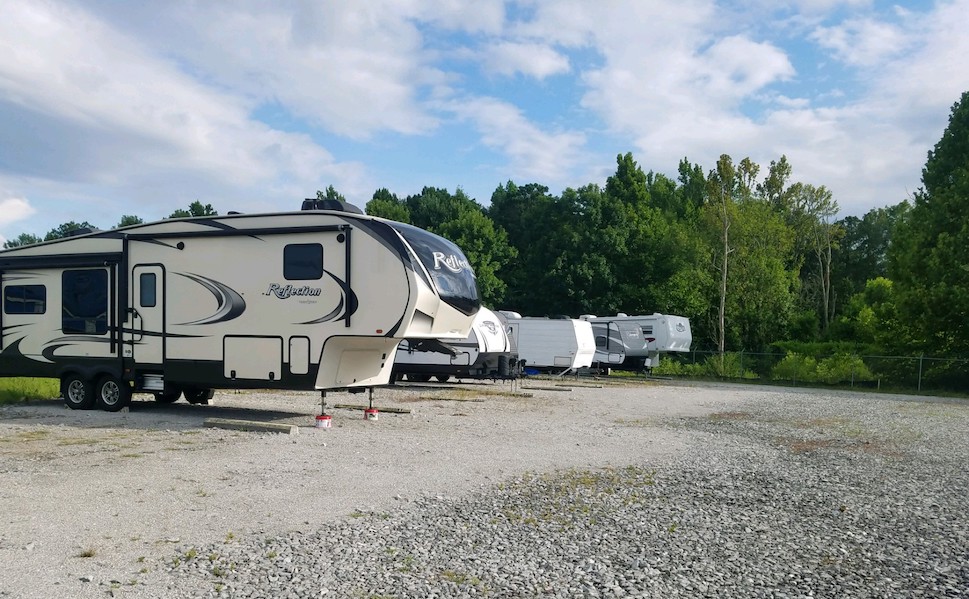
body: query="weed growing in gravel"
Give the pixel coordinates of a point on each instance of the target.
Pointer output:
(191, 554)
(89, 552)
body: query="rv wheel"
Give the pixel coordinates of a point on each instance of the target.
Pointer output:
(78, 392)
(199, 396)
(167, 396)
(418, 378)
(112, 394)
(442, 378)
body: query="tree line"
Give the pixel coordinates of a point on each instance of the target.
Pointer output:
(756, 260)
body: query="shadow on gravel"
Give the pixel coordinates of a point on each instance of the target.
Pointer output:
(145, 414)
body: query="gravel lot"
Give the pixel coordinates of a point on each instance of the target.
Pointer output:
(593, 489)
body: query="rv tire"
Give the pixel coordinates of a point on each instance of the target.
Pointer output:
(167, 397)
(199, 396)
(418, 378)
(112, 394)
(78, 392)
(442, 378)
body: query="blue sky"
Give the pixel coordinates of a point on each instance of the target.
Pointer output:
(110, 108)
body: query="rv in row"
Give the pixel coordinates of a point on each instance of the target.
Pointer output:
(314, 299)
(556, 345)
(486, 353)
(659, 334)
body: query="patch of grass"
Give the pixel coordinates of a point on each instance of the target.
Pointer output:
(33, 435)
(88, 552)
(18, 389)
(79, 441)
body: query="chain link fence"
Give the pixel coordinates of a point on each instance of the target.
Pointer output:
(905, 374)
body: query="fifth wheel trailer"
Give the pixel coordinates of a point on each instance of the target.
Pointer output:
(486, 353)
(312, 299)
(662, 333)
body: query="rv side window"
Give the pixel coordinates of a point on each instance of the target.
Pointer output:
(647, 329)
(25, 299)
(601, 341)
(85, 301)
(303, 261)
(146, 283)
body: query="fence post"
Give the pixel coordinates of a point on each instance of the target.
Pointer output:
(920, 372)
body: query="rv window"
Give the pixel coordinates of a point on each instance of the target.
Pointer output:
(647, 329)
(601, 341)
(85, 301)
(25, 299)
(146, 283)
(303, 261)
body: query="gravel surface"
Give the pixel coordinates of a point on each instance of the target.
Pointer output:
(612, 490)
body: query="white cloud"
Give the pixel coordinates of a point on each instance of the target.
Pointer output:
(862, 42)
(531, 59)
(533, 154)
(14, 209)
(96, 107)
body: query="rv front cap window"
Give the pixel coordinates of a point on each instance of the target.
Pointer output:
(303, 262)
(25, 299)
(449, 268)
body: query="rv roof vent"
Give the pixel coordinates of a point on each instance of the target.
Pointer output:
(622, 315)
(587, 316)
(509, 314)
(336, 205)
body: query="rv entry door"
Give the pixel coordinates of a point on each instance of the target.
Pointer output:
(147, 318)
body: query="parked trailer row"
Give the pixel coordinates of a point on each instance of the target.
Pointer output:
(486, 353)
(316, 299)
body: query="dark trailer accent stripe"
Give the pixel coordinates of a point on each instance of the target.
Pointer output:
(61, 260)
(246, 232)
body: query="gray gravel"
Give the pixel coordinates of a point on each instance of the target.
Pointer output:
(663, 490)
(785, 495)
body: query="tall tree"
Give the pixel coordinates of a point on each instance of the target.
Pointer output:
(862, 254)
(387, 205)
(929, 257)
(21, 240)
(196, 208)
(128, 220)
(66, 229)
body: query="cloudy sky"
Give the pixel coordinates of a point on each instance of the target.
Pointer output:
(110, 107)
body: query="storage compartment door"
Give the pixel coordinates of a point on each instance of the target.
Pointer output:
(253, 358)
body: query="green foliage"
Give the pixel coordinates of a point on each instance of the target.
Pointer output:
(127, 220)
(795, 367)
(386, 205)
(21, 240)
(929, 254)
(67, 229)
(836, 369)
(731, 365)
(194, 209)
(16, 389)
(843, 368)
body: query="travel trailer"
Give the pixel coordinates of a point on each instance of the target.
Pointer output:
(552, 344)
(661, 333)
(313, 299)
(486, 353)
(614, 338)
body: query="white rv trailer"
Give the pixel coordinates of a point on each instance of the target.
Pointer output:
(486, 353)
(661, 333)
(552, 344)
(313, 299)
